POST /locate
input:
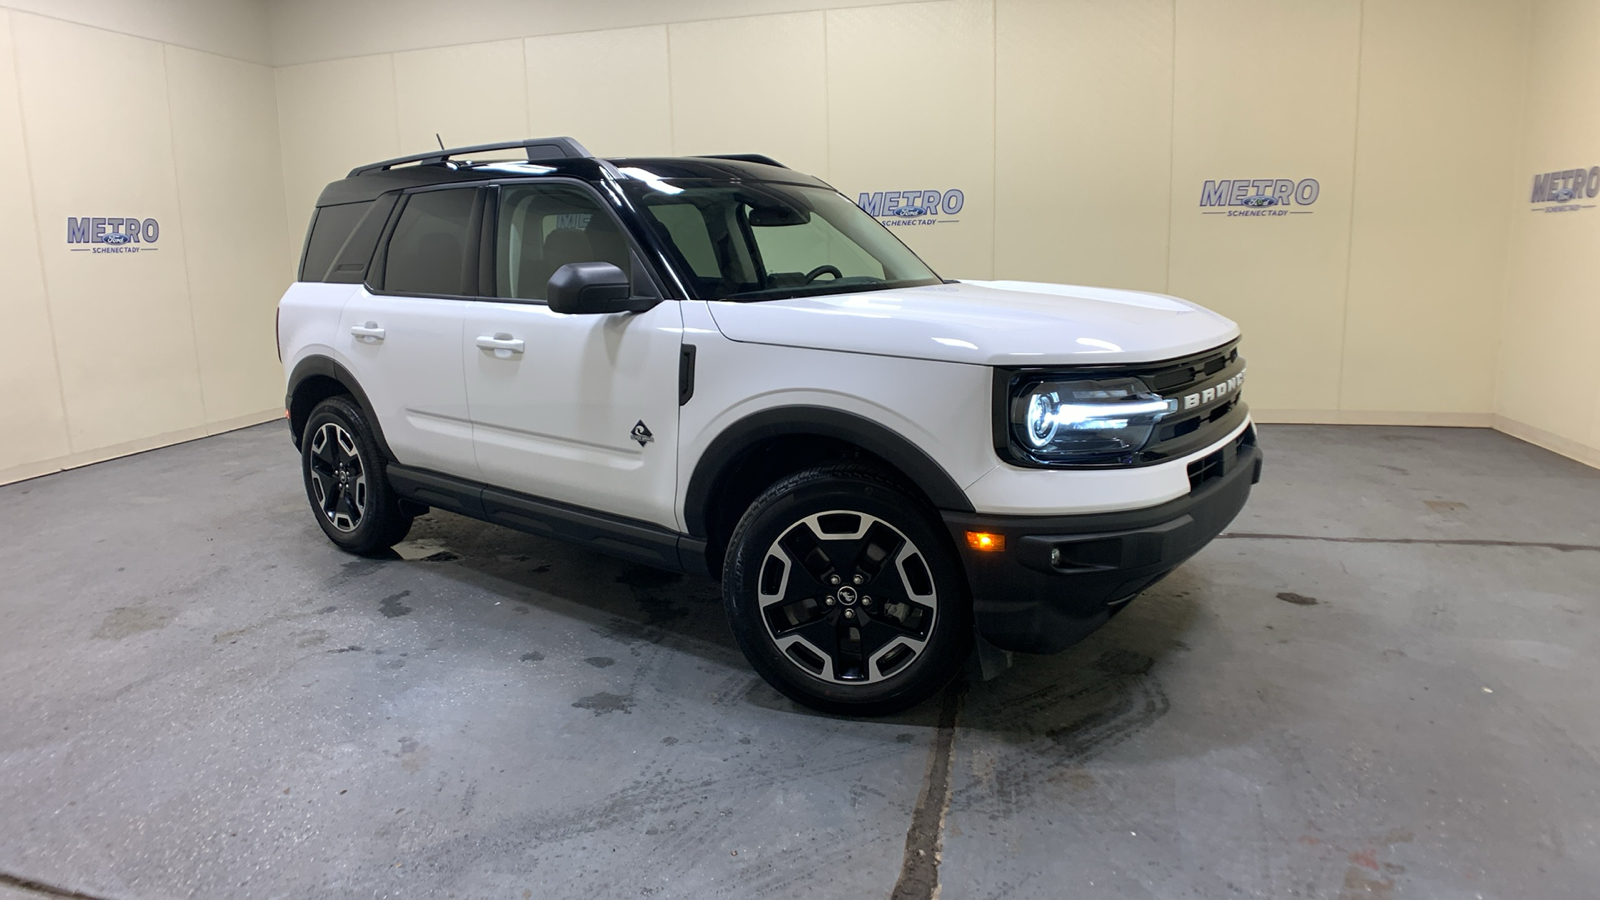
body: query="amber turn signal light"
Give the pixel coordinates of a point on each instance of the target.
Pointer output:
(985, 542)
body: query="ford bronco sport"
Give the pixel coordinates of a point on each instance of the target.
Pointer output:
(720, 365)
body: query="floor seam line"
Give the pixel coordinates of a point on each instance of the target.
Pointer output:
(1438, 542)
(919, 870)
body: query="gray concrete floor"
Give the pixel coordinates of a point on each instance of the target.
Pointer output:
(200, 697)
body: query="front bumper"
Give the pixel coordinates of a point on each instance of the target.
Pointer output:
(1061, 577)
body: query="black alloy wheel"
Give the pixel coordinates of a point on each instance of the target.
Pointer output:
(343, 471)
(844, 593)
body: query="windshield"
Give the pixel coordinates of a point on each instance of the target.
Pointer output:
(767, 241)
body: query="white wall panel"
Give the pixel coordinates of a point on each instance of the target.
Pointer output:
(332, 117)
(225, 138)
(313, 30)
(1548, 388)
(1267, 90)
(911, 108)
(1427, 256)
(608, 89)
(1083, 141)
(32, 417)
(471, 94)
(99, 142)
(752, 85)
(234, 28)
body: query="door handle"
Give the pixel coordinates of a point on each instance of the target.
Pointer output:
(502, 343)
(369, 332)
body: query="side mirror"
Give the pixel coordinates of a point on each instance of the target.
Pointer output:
(593, 288)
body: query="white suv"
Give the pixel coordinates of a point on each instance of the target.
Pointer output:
(720, 365)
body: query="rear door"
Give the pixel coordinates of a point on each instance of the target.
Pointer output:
(581, 409)
(401, 332)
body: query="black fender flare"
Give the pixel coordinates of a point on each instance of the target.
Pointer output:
(313, 366)
(912, 461)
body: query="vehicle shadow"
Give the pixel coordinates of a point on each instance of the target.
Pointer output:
(1089, 697)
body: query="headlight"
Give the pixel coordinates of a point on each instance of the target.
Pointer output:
(1083, 422)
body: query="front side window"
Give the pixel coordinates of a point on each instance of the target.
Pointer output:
(767, 241)
(542, 227)
(428, 253)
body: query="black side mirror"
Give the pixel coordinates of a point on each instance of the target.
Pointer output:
(593, 288)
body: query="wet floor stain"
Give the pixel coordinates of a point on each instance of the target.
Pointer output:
(392, 607)
(125, 621)
(605, 702)
(532, 656)
(600, 662)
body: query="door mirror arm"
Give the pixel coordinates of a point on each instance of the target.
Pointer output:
(594, 288)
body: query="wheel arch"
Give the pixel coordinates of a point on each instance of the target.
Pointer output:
(756, 451)
(317, 378)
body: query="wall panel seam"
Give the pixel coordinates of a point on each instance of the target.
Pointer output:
(672, 98)
(1172, 147)
(38, 232)
(1350, 234)
(177, 193)
(994, 138)
(1515, 216)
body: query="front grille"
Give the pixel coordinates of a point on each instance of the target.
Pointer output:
(1213, 416)
(1219, 462)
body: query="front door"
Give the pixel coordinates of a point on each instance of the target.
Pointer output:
(580, 409)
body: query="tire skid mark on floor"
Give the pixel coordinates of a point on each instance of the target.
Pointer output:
(1059, 727)
(43, 888)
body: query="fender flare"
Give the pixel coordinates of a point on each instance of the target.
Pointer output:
(313, 366)
(912, 461)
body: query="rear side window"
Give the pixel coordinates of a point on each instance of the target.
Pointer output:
(428, 253)
(329, 230)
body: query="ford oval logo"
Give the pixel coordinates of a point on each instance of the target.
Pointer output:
(1261, 200)
(1561, 195)
(118, 239)
(911, 212)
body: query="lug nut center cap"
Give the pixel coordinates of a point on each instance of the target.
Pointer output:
(847, 595)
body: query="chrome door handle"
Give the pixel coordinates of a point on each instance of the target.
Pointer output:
(502, 344)
(368, 332)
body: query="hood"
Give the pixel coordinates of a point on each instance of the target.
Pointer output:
(989, 323)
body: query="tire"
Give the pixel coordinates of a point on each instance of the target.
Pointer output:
(866, 648)
(345, 482)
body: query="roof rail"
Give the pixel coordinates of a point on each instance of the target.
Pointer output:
(761, 158)
(537, 149)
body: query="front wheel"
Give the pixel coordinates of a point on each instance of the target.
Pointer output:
(845, 594)
(345, 483)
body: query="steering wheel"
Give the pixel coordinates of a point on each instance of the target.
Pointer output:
(822, 270)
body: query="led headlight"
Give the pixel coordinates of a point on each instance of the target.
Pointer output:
(1066, 422)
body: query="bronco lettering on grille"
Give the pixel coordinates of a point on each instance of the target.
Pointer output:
(1215, 392)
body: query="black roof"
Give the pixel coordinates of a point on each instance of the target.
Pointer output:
(560, 156)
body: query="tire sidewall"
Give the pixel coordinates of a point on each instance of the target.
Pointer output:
(769, 517)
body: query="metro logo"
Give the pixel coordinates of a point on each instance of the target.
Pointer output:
(1260, 192)
(112, 234)
(912, 207)
(1565, 188)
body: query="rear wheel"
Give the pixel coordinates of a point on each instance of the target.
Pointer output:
(345, 483)
(845, 594)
